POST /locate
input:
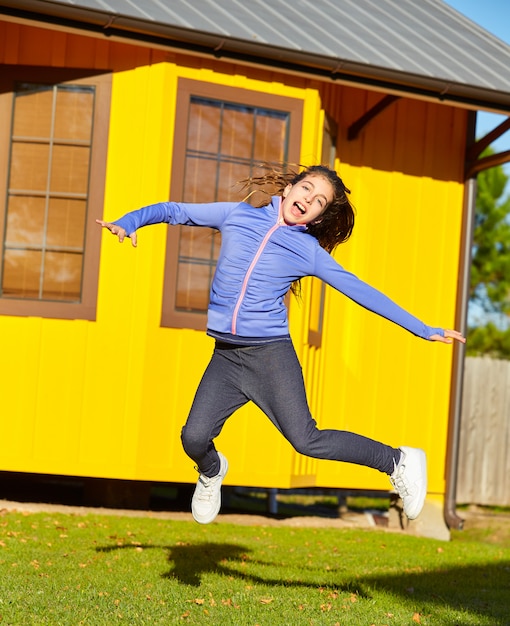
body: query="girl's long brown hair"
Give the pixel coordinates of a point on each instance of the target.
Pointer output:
(336, 223)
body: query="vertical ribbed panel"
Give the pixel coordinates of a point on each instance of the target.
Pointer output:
(405, 173)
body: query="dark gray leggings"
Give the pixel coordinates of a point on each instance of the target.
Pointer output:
(270, 376)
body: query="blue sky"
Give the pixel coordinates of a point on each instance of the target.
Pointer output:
(494, 16)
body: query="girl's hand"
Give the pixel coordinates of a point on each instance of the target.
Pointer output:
(449, 337)
(118, 231)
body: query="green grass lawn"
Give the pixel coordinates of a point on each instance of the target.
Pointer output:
(94, 569)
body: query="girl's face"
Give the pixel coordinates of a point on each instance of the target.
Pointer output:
(305, 201)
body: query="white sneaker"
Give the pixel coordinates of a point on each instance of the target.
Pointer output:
(206, 501)
(410, 480)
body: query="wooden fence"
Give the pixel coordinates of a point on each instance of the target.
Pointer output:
(484, 454)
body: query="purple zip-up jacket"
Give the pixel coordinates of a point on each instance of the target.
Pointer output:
(260, 258)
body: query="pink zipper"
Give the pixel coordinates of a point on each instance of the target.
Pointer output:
(251, 268)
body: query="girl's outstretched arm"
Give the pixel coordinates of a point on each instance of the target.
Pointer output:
(449, 337)
(211, 214)
(118, 231)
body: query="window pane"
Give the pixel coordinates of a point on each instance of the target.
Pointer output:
(21, 275)
(200, 179)
(29, 166)
(73, 115)
(237, 132)
(32, 115)
(270, 138)
(66, 223)
(62, 276)
(196, 242)
(229, 175)
(25, 221)
(193, 287)
(70, 169)
(204, 126)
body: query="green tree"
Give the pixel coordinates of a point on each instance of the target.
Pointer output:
(488, 340)
(490, 268)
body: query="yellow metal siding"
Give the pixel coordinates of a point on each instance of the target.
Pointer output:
(404, 170)
(108, 398)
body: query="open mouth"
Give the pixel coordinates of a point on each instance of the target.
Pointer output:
(300, 208)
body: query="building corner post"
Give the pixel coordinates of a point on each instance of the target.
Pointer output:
(452, 519)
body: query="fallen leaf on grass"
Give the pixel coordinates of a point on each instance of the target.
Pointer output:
(228, 602)
(417, 618)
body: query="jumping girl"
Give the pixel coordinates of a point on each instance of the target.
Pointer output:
(264, 251)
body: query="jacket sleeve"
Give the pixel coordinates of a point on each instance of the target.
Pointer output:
(211, 215)
(370, 298)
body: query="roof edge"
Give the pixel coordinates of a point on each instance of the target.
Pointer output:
(122, 28)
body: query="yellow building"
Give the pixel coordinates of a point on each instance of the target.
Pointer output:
(103, 345)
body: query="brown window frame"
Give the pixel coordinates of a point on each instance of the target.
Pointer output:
(186, 88)
(317, 287)
(10, 75)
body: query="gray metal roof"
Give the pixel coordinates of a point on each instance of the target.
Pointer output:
(422, 44)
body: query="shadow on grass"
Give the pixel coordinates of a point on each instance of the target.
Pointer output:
(482, 590)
